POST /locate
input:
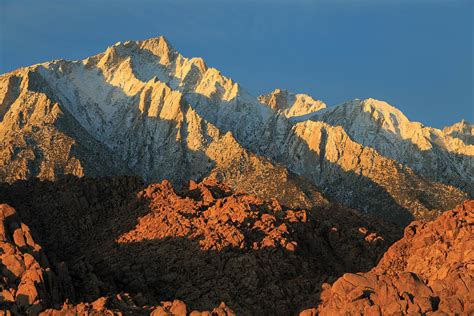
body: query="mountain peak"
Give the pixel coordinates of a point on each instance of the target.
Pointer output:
(378, 104)
(291, 104)
(279, 91)
(157, 46)
(462, 124)
(158, 40)
(160, 47)
(462, 130)
(371, 109)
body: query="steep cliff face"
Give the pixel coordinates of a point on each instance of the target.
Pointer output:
(140, 108)
(429, 271)
(361, 177)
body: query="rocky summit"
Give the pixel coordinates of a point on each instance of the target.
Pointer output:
(138, 181)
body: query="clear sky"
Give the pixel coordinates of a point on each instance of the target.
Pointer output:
(415, 54)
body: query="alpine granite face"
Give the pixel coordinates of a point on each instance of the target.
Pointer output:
(140, 113)
(140, 108)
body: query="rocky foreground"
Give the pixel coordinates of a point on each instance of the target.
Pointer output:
(114, 245)
(131, 247)
(429, 271)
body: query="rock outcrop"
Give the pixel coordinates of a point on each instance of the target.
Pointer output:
(203, 245)
(429, 271)
(123, 304)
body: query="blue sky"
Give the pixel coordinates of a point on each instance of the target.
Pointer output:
(416, 55)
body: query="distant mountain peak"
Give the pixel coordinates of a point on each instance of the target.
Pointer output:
(160, 47)
(291, 104)
(461, 125)
(462, 130)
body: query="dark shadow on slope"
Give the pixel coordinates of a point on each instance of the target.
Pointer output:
(79, 220)
(13, 90)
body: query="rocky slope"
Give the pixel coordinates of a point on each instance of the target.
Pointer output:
(115, 245)
(429, 271)
(441, 155)
(140, 108)
(203, 245)
(31, 282)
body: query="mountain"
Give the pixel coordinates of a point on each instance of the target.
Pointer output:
(140, 108)
(462, 130)
(439, 155)
(75, 118)
(291, 104)
(427, 272)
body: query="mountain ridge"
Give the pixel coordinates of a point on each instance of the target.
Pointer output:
(291, 104)
(156, 114)
(381, 126)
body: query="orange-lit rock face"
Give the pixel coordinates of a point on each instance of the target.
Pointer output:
(429, 270)
(209, 213)
(112, 245)
(203, 245)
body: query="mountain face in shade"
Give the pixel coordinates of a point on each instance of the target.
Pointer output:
(140, 108)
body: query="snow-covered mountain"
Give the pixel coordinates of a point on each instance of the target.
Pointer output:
(291, 104)
(445, 156)
(142, 108)
(462, 130)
